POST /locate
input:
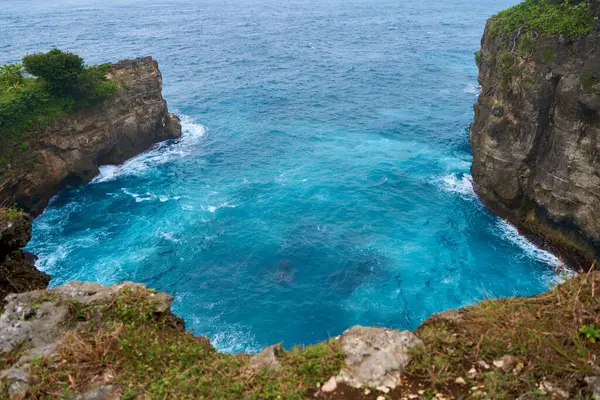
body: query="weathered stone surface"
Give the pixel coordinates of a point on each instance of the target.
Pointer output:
(536, 136)
(593, 386)
(70, 151)
(266, 360)
(375, 357)
(37, 320)
(98, 393)
(15, 232)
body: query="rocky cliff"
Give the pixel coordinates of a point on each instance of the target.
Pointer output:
(17, 270)
(70, 151)
(536, 132)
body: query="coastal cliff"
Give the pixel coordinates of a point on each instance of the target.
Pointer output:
(70, 150)
(536, 132)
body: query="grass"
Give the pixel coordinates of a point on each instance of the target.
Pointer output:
(543, 17)
(149, 355)
(9, 213)
(142, 353)
(546, 335)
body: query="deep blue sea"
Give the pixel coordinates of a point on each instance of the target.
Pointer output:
(322, 180)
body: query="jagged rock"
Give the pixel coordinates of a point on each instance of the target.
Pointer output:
(535, 138)
(15, 232)
(593, 386)
(109, 132)
(375, 357)
(265, 360)
(17, 270)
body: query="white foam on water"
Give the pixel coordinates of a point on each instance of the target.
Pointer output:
(461, 184)
(472, 88)
(510, 233)
(161, 153)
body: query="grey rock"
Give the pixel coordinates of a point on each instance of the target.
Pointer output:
(265, 360)
(593, 386)
(97, 393)
(329, 386)
(41, 324)
(505, 363)
(375, 357)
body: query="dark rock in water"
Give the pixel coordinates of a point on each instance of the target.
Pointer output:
(536, 136)
(17, 269)
(70, 151)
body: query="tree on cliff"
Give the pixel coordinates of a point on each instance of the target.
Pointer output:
(65, 75)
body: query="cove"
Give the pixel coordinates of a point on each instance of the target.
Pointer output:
(322, 179)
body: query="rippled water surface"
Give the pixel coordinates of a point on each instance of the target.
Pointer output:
(322, 179)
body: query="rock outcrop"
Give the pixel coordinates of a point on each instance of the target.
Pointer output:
(536, 134)
(17, 270)
(70, 151)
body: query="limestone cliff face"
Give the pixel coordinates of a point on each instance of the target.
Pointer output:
(536, 136)
(109, 132)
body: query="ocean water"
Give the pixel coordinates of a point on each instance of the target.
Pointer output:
(322, 180)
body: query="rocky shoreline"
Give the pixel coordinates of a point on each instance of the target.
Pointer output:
(109, 132)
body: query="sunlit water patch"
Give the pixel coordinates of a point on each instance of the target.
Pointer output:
(322, 179)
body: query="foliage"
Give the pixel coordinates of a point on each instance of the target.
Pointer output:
(591, 332)
(526, 44)
(545, 17)
(548, 54)
(589, 81)
(477, 57)
(61, 83)
(9, 212)
(147, 354)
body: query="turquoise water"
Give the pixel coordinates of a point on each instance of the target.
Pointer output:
(322, 179)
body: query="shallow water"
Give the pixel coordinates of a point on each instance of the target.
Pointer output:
(322, 179)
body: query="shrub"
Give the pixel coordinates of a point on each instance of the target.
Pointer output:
(542, 16)
(60, 70)
(548, 55)
(61, 84)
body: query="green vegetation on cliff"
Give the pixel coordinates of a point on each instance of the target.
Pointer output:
(572, 18)
(45, 87)
(540, 347)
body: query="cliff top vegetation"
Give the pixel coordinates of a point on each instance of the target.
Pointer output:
(538, 347)
(43, 88)
(572, 18)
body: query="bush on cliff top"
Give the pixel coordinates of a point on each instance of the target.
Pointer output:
(573, 18)
(58, 83)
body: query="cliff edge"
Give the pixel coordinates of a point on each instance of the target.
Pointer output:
(107, 132)
(536, 132)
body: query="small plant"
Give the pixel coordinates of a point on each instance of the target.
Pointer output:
(547, 54)
(591, 332)
(526, 44)
(589, 81)
(477, 57)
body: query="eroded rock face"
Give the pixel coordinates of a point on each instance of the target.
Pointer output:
(17, 270)
(536, 137)
(70, 151)
(375, 357)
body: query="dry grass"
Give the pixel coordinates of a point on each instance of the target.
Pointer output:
(541, 334)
